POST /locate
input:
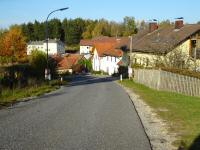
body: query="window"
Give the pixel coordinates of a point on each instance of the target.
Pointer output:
(193, 46)
(147, 62)
(135, 60)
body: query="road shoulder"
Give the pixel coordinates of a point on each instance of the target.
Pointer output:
(155, 128)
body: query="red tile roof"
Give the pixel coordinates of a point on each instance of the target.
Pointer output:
(86, 43)
(106, 46)
(69, 60)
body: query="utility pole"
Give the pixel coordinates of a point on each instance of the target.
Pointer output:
(130, 70)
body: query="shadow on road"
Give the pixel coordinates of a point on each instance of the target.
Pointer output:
(87, 79)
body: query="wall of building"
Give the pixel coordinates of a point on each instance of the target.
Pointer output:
(86, 51)
(144, 59)
(149, 60)
(109, 64)
(96, 61)
(54, 48)
(33, 47)
(106, 64)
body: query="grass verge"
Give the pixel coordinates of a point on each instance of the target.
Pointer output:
(8, 96)
(181, 112)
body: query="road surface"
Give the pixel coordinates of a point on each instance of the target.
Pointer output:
(89, 114)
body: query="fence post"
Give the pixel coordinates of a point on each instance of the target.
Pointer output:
(121, 77)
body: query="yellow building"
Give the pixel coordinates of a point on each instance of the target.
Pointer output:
(167, 44)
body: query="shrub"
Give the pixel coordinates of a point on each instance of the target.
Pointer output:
(38, 62)
(185, 72)
(96, 72)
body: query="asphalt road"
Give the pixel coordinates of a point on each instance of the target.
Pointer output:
(89, 114)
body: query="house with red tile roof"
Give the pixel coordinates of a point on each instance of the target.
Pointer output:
(106, 53)
(70, 63)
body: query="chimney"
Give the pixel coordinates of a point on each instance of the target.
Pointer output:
(179, 23)
(153, 25)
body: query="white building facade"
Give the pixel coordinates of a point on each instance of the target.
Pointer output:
(54, 47)
(107, 63)
(86, 47)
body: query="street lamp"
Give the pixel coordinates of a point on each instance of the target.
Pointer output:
(47, 71)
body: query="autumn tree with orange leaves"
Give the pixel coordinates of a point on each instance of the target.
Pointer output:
(13, 46)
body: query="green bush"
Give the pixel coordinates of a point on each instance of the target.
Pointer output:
(38, 62)
(96, 72)
(185, 72)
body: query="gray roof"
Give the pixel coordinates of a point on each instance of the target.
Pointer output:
(41, 42)
(35, 43)
(163, 40)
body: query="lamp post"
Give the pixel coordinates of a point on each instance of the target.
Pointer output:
(47, 71)
(130, 70)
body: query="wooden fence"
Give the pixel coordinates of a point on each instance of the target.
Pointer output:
(167, 81)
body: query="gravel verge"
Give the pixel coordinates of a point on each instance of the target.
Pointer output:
(155, 127)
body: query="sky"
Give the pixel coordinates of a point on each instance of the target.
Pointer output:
(23, 11)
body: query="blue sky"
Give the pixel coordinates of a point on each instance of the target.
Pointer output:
(20, 11)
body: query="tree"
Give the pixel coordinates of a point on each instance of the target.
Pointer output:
(29, 32)
(39, 31)
(13, 45)
(89, 29)
(116, 29)
(165, 23)
(73, 30)
(38, 62)
(55, 29)
(101, 28)
(129, 26)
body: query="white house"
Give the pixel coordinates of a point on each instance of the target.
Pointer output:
(106, 60)
(54, 46)
(106, 53)
(86, 48)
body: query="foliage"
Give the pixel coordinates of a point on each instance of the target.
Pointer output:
(182, 115)
(96, 72)
(101, 28)
(87, 34)
(13, 46)
(185, 72)
(175, 59)
(38, 61)
(164, 23)
(87, 64)
(71, 31)
(8, 96)
(116, 29)
(130, 26)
